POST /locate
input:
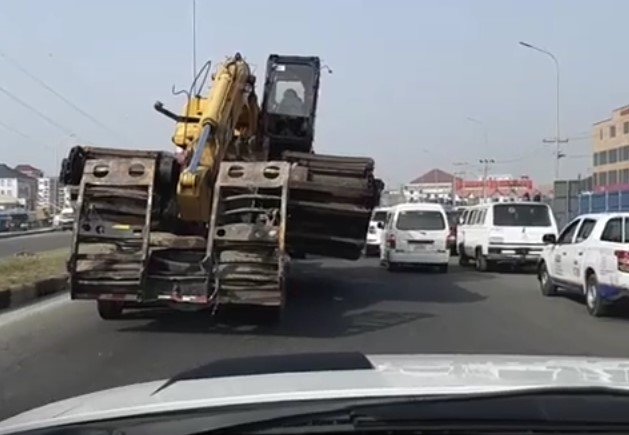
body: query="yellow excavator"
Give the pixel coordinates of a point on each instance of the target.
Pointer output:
(217, 221)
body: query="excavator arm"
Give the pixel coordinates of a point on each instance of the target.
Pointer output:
(208, 128)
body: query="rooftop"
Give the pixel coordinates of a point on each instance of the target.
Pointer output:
(8, 172)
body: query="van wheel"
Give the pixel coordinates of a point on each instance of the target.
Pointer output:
(545, 282)
(481, 262)
(593, 301)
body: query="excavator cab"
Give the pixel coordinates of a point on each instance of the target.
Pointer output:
(289, 104)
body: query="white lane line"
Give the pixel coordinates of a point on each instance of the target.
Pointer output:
(22, 313)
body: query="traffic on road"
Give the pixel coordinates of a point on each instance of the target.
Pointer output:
(314, 217)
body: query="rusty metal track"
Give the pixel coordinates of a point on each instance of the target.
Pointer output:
(246, 235)
(330, 203)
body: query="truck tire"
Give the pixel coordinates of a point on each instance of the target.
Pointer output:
(110, 310)
(443, 268)
(593, 301)
(545, 282)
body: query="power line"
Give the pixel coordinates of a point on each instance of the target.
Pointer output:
(16, 131)
(34, 110)
(60, 96)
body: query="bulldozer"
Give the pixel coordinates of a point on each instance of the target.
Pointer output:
(217, 221)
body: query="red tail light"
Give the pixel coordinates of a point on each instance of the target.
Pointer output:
(622, 257)
(391, 241)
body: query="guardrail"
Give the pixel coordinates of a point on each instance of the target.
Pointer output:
(11, 234)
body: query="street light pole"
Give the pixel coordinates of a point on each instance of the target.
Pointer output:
(485, 163)
(557, 140)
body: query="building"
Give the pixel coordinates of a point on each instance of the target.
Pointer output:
(49, 193)
(439, 186)
(611, 152)
(434, 186)
(17, 185)
(29, 170)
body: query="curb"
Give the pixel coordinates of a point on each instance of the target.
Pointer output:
(17, 296)
(12, 234)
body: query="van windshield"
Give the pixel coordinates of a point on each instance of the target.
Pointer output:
(420, 220)
(521, 215)
(379, 216)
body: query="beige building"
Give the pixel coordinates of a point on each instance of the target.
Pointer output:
(611, 149)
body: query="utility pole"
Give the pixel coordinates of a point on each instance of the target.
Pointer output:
(456, 173)
(485, 163)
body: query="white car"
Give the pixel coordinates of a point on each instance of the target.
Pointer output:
(375, 231)
(591, 256)
(504, 233)
(416, 234)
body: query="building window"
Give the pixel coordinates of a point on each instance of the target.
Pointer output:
(612, 155)
(625, 127)
(625, 176)
(600, 133)
(602, 158)
(595, 159)
(612, 131)
(625, 153)
(602, 179)
(612, 177)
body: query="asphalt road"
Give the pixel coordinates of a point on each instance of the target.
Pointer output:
(34, 243)
(57, 348)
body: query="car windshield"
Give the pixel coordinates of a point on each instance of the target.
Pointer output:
(420, 220)
(517, 215)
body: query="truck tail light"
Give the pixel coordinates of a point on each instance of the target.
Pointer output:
(622, 258)
(391, 241)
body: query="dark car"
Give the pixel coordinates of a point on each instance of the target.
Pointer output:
(453, 220)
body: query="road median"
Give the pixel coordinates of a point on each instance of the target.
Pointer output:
(27, 276)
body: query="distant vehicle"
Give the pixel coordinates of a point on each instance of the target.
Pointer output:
(590, 256)
(64, 220)
(417, 234)
(504, 233)
(454, 215)
(375, 231)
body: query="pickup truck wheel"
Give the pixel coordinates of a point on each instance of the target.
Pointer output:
(593, 301)
(545, 282)
(109, 310)
(481, 261)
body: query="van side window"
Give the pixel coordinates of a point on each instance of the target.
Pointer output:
(472, 219)
(613, 231)
(481, 216)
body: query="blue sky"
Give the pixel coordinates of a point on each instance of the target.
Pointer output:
(406, 76)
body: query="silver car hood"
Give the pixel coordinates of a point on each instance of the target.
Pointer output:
(393, 375)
